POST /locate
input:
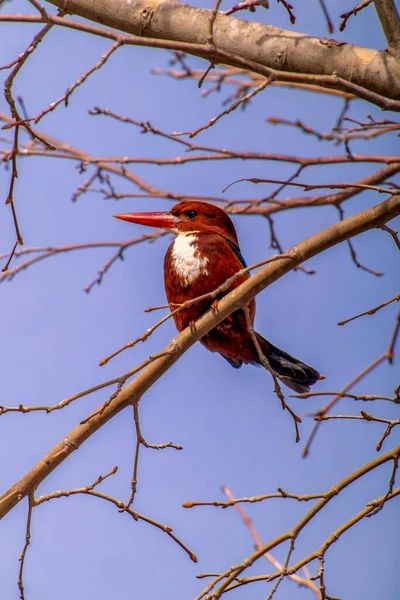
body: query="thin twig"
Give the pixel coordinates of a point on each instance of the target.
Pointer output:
(329, 22)
(345, 16)
(371, 311)
(65, 97)
(141, 441)
(265, 363)
(22, 557)
(364, 416)
(388, 355)
(281, 493)
(242, 101)
(231, 579)
(363, 398)
(301, 581)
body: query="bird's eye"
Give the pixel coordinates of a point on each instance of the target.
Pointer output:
(191, 214)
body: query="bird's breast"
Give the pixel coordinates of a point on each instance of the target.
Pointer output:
(187, 260)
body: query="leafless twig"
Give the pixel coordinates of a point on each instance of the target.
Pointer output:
(141, 441)
(345, 16)
(265, 363)
(371, 311)
(386, 356)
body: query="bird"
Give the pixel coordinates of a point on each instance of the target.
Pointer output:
(203, 255)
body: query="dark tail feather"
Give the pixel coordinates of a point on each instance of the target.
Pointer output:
(291, 371)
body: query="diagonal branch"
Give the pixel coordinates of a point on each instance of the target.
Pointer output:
(390, 21)
(231, 577)
(238, 298)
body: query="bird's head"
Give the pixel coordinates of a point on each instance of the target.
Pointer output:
(186, 217)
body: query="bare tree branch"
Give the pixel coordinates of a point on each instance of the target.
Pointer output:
(231, 578)
(238, 298)
(345, 16)
(386, 356)
(256, 47)
(371, 311)
(390, 21)
(248, 57)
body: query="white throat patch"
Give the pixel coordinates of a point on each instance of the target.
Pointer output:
(186, 258)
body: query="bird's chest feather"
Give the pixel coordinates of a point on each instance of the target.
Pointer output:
(186, 262)
(194, 266)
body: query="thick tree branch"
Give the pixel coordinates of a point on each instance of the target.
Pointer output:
(238, 298)
(272, 52)
(390, 21)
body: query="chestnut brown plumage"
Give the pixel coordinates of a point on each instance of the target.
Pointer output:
(204, 254)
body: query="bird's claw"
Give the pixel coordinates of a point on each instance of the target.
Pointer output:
(214, 306)
(192, 326)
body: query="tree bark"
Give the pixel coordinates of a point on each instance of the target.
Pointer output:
(295, 56)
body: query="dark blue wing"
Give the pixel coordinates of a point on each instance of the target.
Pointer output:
(237, 252)
(235, 363)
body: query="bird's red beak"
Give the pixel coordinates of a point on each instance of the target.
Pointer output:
(164, 220)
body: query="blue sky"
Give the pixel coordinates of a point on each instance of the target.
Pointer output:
(230, 424)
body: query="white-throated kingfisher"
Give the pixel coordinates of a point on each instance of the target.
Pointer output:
(204, 254)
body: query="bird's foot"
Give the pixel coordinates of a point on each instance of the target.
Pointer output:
(192, 325)
(214, 306)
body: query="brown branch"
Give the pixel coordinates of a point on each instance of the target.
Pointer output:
(284, 570)
(363, 398)
(353, 252)
(234, 49)
(309, 186)
(83, 490)
(141, 441)
(43, 17)
(328, 19)
(213, 16)
(345, 16)
(389, 494)
(281, 493)
(215, 154)
(390, 21)
(233, 206)
(84, 158)
(393, 233)
(231, 579)
(45, 252)
(364, 416)
(334, 199)
(275, 243)
(65, 97)
(370, 130)
(367, 511)
(229, 75)
(371, 311)
(388, 355)
(236, 299)
(10, 257)
(301, 581)
(321, 551)
(252, 207)
(120, 381)
(89, 490)
(247, 5)
(324, 410)
(265, 363)
(10, 198)
(242, 101)
(22, 557)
